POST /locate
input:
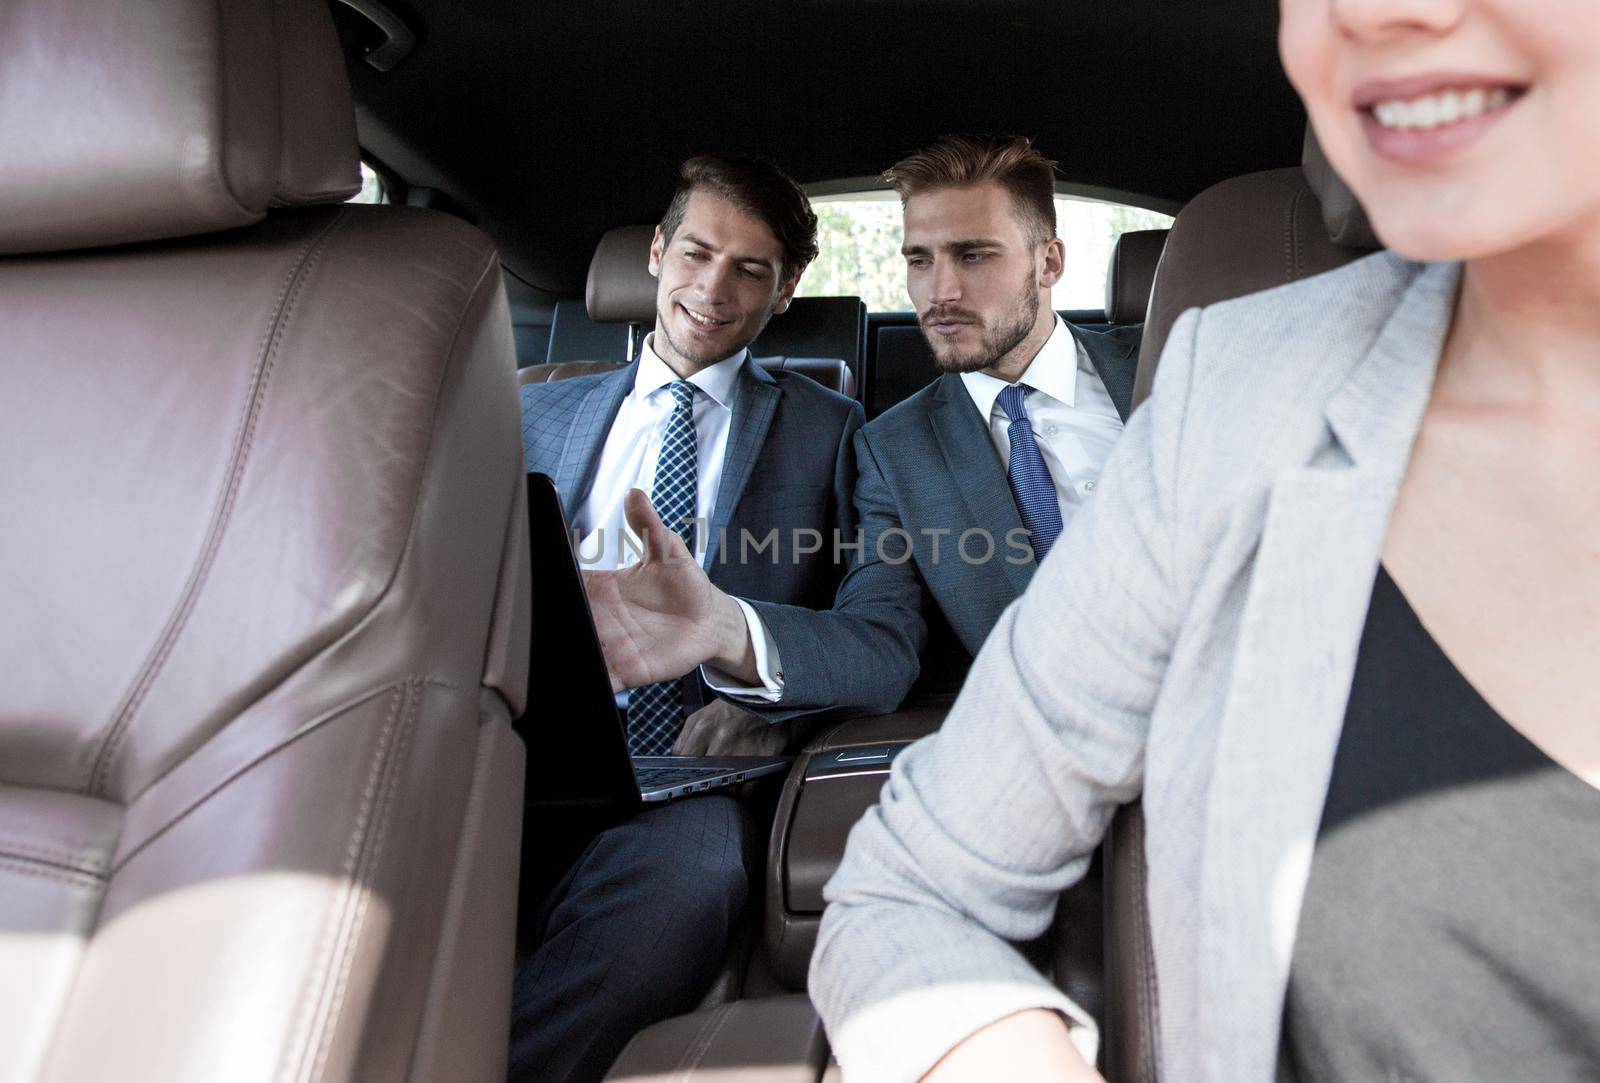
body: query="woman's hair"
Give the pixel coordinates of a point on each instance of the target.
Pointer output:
(961, 161)
(757, 188)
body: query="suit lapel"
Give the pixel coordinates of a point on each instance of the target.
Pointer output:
(1300, 632)
(1114, 355)
(755, 400)
(586, 436)
(970, 459)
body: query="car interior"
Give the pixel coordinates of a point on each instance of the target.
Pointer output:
(262, 810)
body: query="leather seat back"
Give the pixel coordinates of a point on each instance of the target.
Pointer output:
(264, 568)
(822, 337)
(1243, 235)
(1248, 234)
(830, 373)
(1131, 274)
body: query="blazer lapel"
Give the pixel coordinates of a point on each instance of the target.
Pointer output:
(1310, 586)
(586, 436)
(1114, 355)
(970, 459)
(755, 400)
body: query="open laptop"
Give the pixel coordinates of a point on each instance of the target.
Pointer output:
(576, 735)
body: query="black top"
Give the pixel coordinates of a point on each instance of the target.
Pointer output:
(1451, 924)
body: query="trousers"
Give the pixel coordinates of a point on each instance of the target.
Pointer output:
(634, 933)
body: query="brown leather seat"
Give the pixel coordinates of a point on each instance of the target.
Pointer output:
(832, 374)
(1243, 235)
(1248, 234)
(1132, 273)
(263, 571)
(621, 290)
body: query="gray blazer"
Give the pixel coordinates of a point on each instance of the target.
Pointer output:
(928, 464)
(1192, 636)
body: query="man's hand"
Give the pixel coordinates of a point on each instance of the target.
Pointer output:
(663, 617)
(722, 729)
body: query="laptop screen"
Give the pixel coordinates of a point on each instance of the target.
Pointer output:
(577, 749)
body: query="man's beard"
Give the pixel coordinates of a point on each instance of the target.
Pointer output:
(1008, 332)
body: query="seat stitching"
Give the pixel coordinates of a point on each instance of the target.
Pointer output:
(51, 855)
(1146, 962)
(368, 873)
(41, 871)
(702, 1043)
(1296, 252)
(255, 761)
(1288, 238)
(352, 851)
(272, 339)
(490, 264)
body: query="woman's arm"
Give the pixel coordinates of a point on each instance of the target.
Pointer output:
(1029, 1047)
(982, 826)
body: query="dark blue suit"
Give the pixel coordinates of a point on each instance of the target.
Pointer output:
(636, 930)
(928, 464)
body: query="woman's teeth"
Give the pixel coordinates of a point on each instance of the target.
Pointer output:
(1439, 109)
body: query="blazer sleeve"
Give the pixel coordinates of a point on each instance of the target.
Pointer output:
(981, 826)
(864, 653)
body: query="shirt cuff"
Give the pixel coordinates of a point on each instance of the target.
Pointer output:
(900, 1039)
(769, 667)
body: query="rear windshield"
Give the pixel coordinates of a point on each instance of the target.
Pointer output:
(859, 237)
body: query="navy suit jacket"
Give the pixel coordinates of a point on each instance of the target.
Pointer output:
(927, 468)
(789, 468)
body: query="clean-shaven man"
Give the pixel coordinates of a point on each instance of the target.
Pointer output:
(961, 489)
(727, 452)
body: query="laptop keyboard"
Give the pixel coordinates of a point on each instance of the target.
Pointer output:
(654, 778)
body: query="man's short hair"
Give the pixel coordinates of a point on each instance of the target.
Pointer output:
(961, 161)
(759, 189)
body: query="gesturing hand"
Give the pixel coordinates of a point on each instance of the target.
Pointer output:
(662, 617)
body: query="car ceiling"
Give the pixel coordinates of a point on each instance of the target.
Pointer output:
(550, 121)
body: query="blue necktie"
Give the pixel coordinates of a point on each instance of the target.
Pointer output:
(655, 712)
(1030, 479)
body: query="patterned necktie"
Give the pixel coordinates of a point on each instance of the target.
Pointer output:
(655, 712)
(1030, 479)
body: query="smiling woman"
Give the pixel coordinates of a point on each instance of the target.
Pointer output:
(859, 240)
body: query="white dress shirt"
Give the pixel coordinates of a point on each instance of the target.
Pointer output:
(628, 460)
(1074, 420)
(1075, 425)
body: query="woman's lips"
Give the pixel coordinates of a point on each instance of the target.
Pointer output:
(1424, 118)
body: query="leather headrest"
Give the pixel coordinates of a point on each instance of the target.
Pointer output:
(1132, 273)
(621, 288)
(1346, 220)
(124, 122)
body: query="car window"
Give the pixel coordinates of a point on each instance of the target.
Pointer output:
(859, 240)
(371, 188)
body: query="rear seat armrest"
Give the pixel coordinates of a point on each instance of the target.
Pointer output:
(771, 1040)
(834, 780)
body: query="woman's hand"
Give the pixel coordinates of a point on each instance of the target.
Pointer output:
(1028, 1047)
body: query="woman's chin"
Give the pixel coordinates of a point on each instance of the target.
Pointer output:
(1431, 237)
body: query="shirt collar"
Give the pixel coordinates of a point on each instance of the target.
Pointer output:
(1053, 371)
(715, 380)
